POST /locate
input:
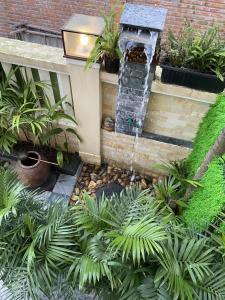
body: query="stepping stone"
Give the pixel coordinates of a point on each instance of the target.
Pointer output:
(55, 197)
(109, 190)
(65, 185)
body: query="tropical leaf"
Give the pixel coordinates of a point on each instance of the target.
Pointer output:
(138, 239)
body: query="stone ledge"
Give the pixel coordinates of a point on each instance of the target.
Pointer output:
(168, 89)
(109, 78)
(32, 55)
(51, 59)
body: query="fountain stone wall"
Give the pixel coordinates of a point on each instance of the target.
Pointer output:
(140, 35)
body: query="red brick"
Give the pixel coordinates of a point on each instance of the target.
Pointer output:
(52, 14)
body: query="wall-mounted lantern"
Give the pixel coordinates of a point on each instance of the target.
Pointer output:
(80, 34)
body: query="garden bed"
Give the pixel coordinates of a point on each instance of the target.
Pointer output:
(93, 177)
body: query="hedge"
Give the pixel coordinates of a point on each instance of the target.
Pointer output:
(207, 201)
(209, 129)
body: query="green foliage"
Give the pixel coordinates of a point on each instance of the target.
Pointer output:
(203, 52)
(178, 171)
(107, 44)
(172, 188)
(127, 248)
(207, 202)
(26, 109)
(210, 128)
(167, 189)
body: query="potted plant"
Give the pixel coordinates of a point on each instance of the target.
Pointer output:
(106, 48)
(26, 110)
(195, 60)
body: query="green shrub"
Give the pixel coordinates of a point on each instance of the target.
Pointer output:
(192, 49)
(26, 110)
(207, 201)
(107, 44)
(127, 248)
(210, 128)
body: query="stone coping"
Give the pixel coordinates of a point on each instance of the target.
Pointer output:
(32, 55)
(51, 59)
(167, 89)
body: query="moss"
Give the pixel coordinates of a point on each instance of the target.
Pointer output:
(209, 129)
(207, 201)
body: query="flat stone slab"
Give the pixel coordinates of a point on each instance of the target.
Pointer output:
(109, 190)
(65, 185)
(143, 16)
(54, 197)
(71, 167)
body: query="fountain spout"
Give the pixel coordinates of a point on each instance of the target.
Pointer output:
(141, 28)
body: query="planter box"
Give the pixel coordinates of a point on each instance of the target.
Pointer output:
(191, 79)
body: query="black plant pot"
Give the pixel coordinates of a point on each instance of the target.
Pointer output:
(195, 80)
(112, 65)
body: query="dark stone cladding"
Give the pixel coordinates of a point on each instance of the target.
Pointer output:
(131, 102)
(167, 139)
(140, 27)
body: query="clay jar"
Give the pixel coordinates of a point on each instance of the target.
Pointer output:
(32, 173)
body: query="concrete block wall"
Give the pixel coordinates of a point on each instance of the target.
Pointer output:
(141, 154)
(172, 110)
(173, 116)
(109, 94)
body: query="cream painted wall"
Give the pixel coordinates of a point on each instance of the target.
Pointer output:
(87, 97)
(142, 154)
(172, 110)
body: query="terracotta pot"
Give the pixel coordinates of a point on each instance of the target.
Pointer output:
(32, 173)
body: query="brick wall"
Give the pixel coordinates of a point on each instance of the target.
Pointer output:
(53, 13)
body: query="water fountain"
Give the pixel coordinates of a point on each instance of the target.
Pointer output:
(141, 28)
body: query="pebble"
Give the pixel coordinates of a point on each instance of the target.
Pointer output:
(155, 180)
(77, 191)
(144, 185)
(6, 164)
(74, 198)
(93, 177)
(92, 185)
(97, 168)
(108, 124)
(104, 180)
(85, 168)
(115, 177)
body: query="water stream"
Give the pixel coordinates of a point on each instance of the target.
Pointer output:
(134, 85)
